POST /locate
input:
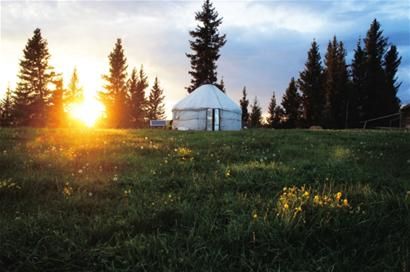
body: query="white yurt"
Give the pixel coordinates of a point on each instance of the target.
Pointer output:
(206, 108)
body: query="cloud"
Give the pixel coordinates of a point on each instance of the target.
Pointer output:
(262, 18)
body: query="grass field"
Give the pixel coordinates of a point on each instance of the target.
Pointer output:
(153, 200)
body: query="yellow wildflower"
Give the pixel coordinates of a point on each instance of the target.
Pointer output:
(228, 173)
(345, 202)
(298, 209)
(306, 194)
(338, 196)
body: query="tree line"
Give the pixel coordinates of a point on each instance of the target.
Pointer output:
(332, 94)
(336, 95)
(125, 101)
(41, 99)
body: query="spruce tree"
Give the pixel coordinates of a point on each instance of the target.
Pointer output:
(330, 85)
(206, 43)
(136, 90)
(310, 84)
(358, 96)
(57, 116)
(115, 96)
(279, 115)
(143, 81)
(391, 65)
(32, 95)
(335, 86)
(291, 103)
(244, 102)
(255, 118)
(342, 87)
(375, 84)
(221, 85)
(155, 104)
(6, 109)
(22, 106)
(271, 111)
(74, 92)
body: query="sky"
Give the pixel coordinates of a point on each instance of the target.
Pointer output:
(267, 41)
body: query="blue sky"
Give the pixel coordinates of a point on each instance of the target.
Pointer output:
(267, 40)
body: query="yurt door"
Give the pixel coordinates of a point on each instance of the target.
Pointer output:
(216, 119)
(212, 119)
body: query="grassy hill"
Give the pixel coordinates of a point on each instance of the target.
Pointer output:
(153, 200)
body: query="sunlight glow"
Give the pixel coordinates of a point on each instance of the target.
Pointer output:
(87, 112)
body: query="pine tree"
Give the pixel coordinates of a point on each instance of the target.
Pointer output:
(6, 109)
(115, 96)
(255, 118)
(205, 46)
(358, 96)
(155, 104)
(335, 86)
(244, 102)
(391, 65)
(375, 84)
(74, 93)
(136, 90)
(291, 103)
(32, 95)
(271, 111)
(57, 116)
(310, 84)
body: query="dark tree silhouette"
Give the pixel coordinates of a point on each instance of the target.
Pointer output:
(279, 115)
(255, 118)
(205, 45)
(343, 87)
(335, 86)
(142, 81)
(310, 84)
(271, 111)
(244, 102)
(136, 89)
(32, 95)
(115, 96)
(221, 85)
(375, 84)
(155, 104)
(6, 109)
(391, 65)
(291, 103)
(57, 116)
(358, 95)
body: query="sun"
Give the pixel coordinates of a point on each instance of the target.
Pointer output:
(87, 112)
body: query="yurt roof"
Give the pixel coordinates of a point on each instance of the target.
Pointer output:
(207, 96)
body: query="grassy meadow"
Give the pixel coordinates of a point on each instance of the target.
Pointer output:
(155, 200)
